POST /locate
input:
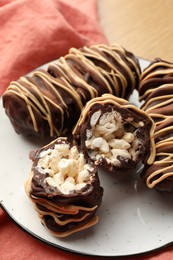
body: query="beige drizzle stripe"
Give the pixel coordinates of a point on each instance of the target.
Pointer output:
(134, 65)
(114, 75)
(164, 144)
(118, 58)
(168, 156)
(73, 208)
(28, 104)
(142, 97)
(25, 93)
(27, 96)
(91, 53)
(167, 160)
(92, 67)
(161, 104)
(113, 78)
(157, 98)
(69, 80)
(160, 72)
(152, 72)
(149, 91)
(49, 80)
(91, 90)
(45, 78)
(59, 222)
(29, 109)
(112, 48)
(62, 113)
(61, 72)
(49, 118)
(106, 74)
(42, 97)
(74, 94)
(91, 223)
(115, 48)
(163, 141)
(164, 176)
(164, 154)
(166, 129)
(69, 89)
(154, 115)
(96, 70)
(54, 207)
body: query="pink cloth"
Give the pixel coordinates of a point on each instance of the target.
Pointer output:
(34, 32)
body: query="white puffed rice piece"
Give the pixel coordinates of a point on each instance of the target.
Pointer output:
(101, 143)
(121, 152)
(94, 118)
(119, 144)
(129, 137)
(82, 176)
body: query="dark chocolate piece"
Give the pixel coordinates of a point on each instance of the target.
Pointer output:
(115, 134)
(156, 90)
(64, 188)
(49, 102)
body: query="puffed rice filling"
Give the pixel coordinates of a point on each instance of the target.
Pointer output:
(66, 167)
(109, 137)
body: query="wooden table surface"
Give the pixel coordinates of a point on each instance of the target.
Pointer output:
(143, 27)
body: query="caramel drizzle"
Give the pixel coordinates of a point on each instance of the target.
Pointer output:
(38, 97)
(54, 210)
(158, 108)
(158, 69)
(57, 218)
(89, 224)
(119, 102)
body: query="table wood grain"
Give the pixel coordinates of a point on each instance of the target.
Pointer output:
(143, 27)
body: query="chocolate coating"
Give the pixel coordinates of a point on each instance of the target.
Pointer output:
(63, 213)
(156, 89)
(115, 134)
(49, 102)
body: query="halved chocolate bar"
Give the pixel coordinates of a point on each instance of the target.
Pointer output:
(64, 188)
(115, 134)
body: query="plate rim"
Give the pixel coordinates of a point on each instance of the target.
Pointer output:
(43, 240)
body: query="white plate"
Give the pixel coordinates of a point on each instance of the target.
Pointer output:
(133, 219)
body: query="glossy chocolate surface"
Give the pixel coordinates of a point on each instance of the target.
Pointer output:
(156, 90)
(49, 102)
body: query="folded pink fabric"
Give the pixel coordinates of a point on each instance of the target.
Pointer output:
(35, 32)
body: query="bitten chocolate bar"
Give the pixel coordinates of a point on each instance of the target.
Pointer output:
(115, 134)
(64, 188)
(49, 102)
